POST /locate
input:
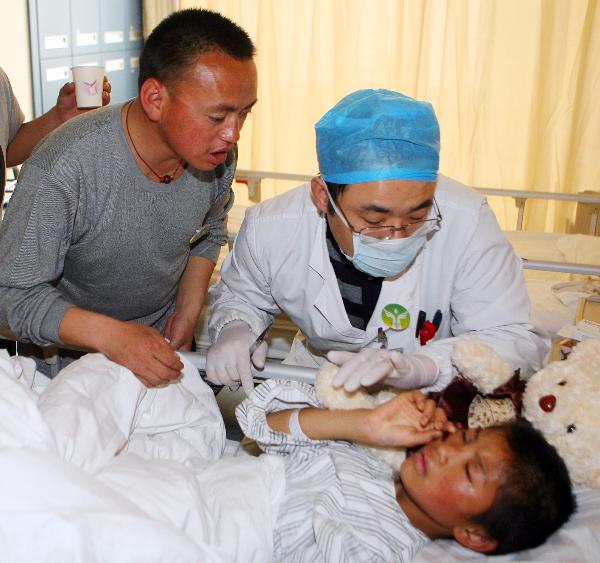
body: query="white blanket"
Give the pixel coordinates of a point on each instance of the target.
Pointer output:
(64, 496)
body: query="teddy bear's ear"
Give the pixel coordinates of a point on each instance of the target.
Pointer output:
(480, 364)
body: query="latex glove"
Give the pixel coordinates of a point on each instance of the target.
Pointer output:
(228, 360)
(374, 365)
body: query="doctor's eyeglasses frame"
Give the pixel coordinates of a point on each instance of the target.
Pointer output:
(386, 232)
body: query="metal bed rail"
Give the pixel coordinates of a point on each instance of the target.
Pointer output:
(562, 267)
(253, 179)
(272, 370)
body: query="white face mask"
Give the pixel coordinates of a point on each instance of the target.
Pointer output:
(385, 258)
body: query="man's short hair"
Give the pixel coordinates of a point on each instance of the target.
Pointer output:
(176, 42)
(536, 497)
(336, 190)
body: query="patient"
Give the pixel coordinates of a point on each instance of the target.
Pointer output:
(495, 491)
(146, 465)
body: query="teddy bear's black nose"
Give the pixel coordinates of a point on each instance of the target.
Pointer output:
(547, 403)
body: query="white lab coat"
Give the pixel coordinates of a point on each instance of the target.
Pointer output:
(467, 270)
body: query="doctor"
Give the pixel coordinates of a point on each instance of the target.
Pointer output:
(379, 259)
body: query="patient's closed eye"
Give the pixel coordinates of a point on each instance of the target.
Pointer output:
(562, 383)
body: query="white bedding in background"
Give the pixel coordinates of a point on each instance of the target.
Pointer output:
(555, 247)
(550, 311)
(580, 249)
(536, 246)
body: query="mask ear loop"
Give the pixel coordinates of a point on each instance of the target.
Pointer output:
(438, 223)
(337, 210)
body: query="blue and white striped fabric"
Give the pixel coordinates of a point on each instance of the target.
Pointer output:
(339, 503)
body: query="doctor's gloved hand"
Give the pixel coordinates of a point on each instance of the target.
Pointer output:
(228, 361)
(374, 365)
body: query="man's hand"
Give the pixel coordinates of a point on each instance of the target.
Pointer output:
(66, 104)
(408, 420)
(179, 332)
(145, 352)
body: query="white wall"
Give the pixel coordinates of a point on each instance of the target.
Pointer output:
(14, 51)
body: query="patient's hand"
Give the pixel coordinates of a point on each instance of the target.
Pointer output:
(408, 420)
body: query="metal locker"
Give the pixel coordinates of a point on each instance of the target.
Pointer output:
(92, 59)
(133, 65)
(54, 28)
(54, 73)
(133, 15)
(112, 25)
(65, 33)
(115, 68)
(85, 26)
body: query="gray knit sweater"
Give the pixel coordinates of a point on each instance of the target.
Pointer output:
(85, 227)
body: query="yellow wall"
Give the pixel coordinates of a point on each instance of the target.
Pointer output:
(14, 51)
(514, 84)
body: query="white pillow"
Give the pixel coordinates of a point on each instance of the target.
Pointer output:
(581, 249)
(535, 246)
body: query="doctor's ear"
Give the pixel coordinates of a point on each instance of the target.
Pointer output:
(318, 189)
(475, 538)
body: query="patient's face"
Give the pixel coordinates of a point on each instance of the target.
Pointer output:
(454, 479)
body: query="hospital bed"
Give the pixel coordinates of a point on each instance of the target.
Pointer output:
(548, 258)
(578, 540)
(558, 268)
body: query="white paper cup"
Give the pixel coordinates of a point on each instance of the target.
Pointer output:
(88, 86)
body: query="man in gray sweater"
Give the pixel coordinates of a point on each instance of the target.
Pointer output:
(112, 234)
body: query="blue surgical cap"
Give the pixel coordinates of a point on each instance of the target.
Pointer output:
(373, 135)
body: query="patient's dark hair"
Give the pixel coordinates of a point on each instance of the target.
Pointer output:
(176, 42)
(536, 497)
(336, 190)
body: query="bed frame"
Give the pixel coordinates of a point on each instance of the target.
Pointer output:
(275, 369)
(253, 179)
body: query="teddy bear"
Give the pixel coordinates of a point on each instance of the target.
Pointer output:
(559, 400)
